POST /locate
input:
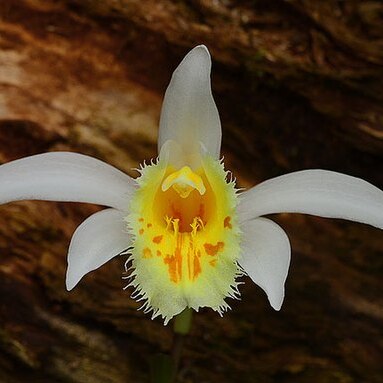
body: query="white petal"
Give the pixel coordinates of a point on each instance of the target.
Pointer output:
(189, 115)
(96, 241)
(266, 257)
(317, 192)
(65, 176)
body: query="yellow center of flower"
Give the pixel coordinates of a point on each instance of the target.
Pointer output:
(186, 237)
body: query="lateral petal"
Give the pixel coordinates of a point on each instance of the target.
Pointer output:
(97, 240)
(265, 257)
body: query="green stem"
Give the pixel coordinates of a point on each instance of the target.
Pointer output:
(181, 327)
(182, 322)
(163, 367)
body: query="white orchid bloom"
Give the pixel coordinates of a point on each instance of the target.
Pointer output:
(190, 233)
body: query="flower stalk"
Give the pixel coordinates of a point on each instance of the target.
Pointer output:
(164, 368)
(183, 321)
(161, 369)
(181, 328)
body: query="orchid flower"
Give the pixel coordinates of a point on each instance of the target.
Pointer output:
(189, 231)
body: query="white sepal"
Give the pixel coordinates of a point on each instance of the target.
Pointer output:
(318, 192)
(189, 115)
(65, 176)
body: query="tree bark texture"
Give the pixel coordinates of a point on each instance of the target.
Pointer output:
(298, 85)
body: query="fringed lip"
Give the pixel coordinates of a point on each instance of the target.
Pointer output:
(185, 248)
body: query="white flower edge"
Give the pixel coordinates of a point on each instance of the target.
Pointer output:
(189, 116)
(317, 192)
(65, 176)
(265, 257)
(97, 240)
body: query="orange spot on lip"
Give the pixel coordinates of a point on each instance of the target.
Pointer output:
(141, 231)
(196, 267)
(213, 249)
(158, 239)
(213, 262)
(178, 257)
(141, 220)
(201, 211)
(174, 263)
(149, 225)
(147, 253)
(159, 253)
(226, 222)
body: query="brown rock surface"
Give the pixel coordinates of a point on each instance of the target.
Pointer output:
(298, 85)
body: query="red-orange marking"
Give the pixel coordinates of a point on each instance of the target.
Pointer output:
(158, 239)
(213, 249)
(178, 256)
(149, 225)
(171, 261)
(141, 220)
(159, 253)
(226, 222)
(189, 266)
(174, 263)
(196, 267)
(213, 262)
(147, 253)
(141, 231)
(201, 210)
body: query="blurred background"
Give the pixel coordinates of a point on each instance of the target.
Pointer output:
(298, 84)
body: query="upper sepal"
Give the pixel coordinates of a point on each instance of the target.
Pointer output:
(189, 116)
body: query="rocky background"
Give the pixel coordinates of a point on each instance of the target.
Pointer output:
(298, 84)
